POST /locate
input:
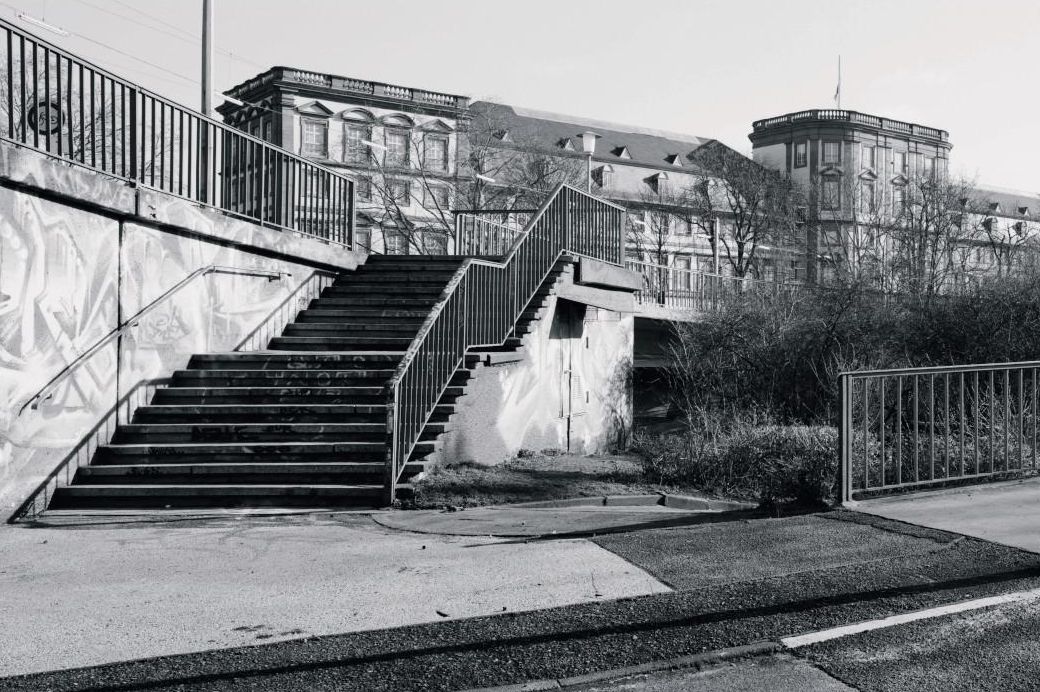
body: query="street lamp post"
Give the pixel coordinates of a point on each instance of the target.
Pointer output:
(588, 145)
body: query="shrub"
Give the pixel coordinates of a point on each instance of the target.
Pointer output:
(773, 464)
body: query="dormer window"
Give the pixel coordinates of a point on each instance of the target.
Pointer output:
(995, 207)
(601, 176)
(657, 182)
(504, 136)
(621, 152)
(1023, 211)
(566, 144)
(674, 160)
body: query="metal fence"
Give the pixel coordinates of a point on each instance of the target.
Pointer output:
(487, 233)
(482, 303)
(57, 103)
(919, 427)
(686, 290)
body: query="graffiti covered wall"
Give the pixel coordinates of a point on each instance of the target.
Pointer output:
(67, 276)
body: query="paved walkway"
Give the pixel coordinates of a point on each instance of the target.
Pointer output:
(1005, 513)
(79, 596)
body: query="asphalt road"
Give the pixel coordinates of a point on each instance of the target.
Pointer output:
(995, 649)
(901, 569)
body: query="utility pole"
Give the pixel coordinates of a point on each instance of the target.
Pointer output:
(207, 57)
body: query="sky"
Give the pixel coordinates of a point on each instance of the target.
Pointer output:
(701, 67)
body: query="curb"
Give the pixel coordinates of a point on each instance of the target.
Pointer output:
(656, 499)
(694, 661)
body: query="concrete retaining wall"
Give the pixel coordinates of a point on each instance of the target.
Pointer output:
(76, 256)
(524, 405)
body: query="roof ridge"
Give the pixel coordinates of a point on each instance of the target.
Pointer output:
(605, 124)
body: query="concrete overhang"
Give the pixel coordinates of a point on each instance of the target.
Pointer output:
(599, 274)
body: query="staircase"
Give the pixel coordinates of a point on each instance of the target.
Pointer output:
(302, 424)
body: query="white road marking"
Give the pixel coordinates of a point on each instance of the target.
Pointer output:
(929, 613)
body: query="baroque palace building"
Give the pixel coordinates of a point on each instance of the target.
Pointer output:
(419, 155)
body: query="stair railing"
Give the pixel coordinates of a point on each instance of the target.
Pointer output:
(47, 391)
(285, 312)
(482, 303)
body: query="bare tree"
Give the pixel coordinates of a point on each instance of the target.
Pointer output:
(756, 206)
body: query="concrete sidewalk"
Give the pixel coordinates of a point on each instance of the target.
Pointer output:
(1006, 513)
(78, 596)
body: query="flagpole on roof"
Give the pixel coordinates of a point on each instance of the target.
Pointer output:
(837, 92)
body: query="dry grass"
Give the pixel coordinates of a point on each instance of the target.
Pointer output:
(531, 477)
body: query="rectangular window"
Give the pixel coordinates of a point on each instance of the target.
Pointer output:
(832, 152)
(929, 167)
(437, 197)
(660, 222)
(869, 156)
(435, 243)
(682, 279)
(831, 193)
(902, 163)
(355, 149)
(267, 131)
(364, 189)
(801, 157)
(396, 243)
(898, 199)
(436, 153)
(396, 148)
(364, 238)
(867, 197)
(315, 138)
(401, 192)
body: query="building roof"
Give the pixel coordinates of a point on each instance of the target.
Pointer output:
(626, 144)
(1011, 202)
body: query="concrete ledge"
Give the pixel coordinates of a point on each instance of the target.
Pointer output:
(613, 300)
(602, 275)
(40, 174)
(661, 499)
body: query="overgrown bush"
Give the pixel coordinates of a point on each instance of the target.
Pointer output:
(782, 353)
(745, 456)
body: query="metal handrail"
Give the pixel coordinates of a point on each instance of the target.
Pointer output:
(941, 369)
(98, 435)
(322, 273)
(68, 107)
(36, 398)
(482, 303)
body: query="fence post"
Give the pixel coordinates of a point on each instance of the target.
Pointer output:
(391, 445)
(133, 134)
(845, 438)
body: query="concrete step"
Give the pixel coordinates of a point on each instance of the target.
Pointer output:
(340, 343)
(280, 360)
(198, 496)
(281, 395)
(369, 300)
(273, 413)
(350, 329)
(381, 275)
(385, 291)
(160, 433)
(261, 452)
(267, 378)
(369, 473)
(370, 314)
(411, 262)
